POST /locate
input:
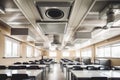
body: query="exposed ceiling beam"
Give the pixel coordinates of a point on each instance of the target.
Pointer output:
(28, 12)
(80, 10)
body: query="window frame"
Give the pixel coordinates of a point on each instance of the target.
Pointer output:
(117, 44)
(11, 53)
(29, 50)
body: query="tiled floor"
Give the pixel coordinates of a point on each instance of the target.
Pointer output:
(56, 73)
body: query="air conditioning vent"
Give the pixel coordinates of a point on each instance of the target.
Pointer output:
(54, 11)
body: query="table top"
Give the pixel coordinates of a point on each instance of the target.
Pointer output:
(31, 65)
(29, 72)
(83, 66)
(95, 73)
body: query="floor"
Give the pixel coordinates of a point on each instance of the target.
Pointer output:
(56, 73)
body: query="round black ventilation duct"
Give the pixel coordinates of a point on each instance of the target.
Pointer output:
(54, 13)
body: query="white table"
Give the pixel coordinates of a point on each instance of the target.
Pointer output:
(68, 67)
(37, 74)
(97, 73)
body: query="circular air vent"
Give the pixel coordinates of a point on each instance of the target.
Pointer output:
(54, 13)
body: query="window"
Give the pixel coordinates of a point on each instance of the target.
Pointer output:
(12, 47)
(100, 52)
(107, 51)
(52, 53)
(65, 54)
(77, 53)
(116, 51)
(29, 51)
(111, 50)
(37, 53)
(86, 52)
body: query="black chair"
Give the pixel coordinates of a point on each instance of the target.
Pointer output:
(33, 67)
(3, 76)
(70, 64)
(12, 67)
(115, 78)
(115, 68)
(77, 68)
(36, 60)
(86, 61)
(33, 63)
(2, 67)
(20, 77)
(104, 68)
(98, 78)
(25, 63)
(78, 64)
(91, 68)
(21, 67)
(16, 63)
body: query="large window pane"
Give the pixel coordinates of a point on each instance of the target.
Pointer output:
(29, 51)
(11, 47)
(116, 51)
(65, 54)
(52, 53)
(107, 51)
(8, 48)
(15, 49)
(100, 52)
(86, 53)
(77, 53)
(37, 53)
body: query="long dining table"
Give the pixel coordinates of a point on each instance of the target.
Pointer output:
(80, 74)
(35, 74)
(68, 68)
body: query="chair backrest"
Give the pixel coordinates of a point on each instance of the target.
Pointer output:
(77, 68)
(78, 64)
(115, 68)
(33, 63)
(21, 67)
(115, 78)
(17, 63)
(86, 61)
(98, 78)
(104, 68)
(33, 67)
(19, 76)
(12, 67)
(2, 67)
(91, 68)
(70, 64)
(3, 76)
(25, 63)
(16, 67)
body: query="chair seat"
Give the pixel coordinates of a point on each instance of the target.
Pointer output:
(20, 77)
(98, 78)
(3, 77)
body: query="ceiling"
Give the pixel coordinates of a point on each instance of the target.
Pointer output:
(76, 16)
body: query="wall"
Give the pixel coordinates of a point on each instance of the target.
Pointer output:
(114, 61)
(8, 61)
(59, 55)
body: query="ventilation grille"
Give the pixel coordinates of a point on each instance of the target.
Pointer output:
(54, 11)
